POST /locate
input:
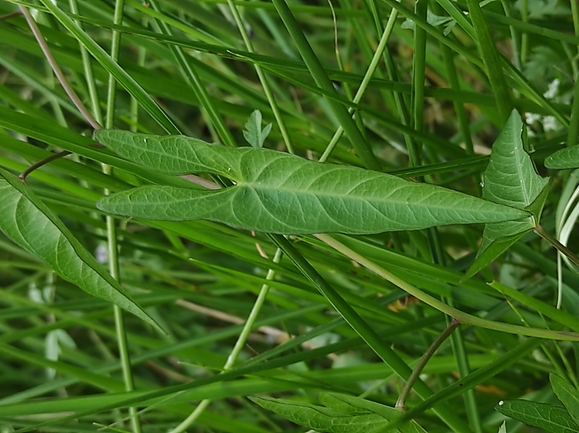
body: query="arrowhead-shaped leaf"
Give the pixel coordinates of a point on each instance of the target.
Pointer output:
(280, 193)
(550, 418)
(253, 132)
(510, 179)
(564, 158)
(26, 220)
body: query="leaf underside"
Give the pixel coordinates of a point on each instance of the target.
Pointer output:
(26, 220)
(280, 193)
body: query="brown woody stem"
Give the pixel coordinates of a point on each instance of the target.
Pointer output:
(400, 403)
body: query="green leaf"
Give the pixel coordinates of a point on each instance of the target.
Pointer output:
(496, 240)
(491, 58)
(321, 418)
(564, 158)
(280, 193)
(26, 220)
(541, 9)
(510, 179)
(434, 20)
(568, 394)
(347, 403)
(550, 418)
(343, 413)
(253, 132)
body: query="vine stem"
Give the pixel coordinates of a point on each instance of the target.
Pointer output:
(77, 102)
(57, 71)
(10, 16)
(42, 162)
(539, 230)
(65, 85)
(112, 234)
(240, 343)
(460, 316)
(400, 403)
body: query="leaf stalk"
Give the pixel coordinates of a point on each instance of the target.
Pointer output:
(539, 230)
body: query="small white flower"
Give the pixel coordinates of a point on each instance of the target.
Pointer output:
(550, 123)
(531, 118)
(553, 89)
(102, 254)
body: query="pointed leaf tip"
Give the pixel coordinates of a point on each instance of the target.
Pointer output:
(26, 220)
(512, 180)
(280, 193)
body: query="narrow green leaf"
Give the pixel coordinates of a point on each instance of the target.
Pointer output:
(280, 193)
(321, 418)
(491, 59)
(364, 330)
(568, 394)
(497, 238)
(475, 378)
(26, 220)
(318, 73)
(111, 66)
(512, 180)
(253, 132)
(553, 419)
(564, 158)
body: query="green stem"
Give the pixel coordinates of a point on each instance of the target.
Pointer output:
(240, 343)
(88, 71)
(418, 77)
(194, 81)
(457, 388)
(112, 246)
(363, 329)
(539, 230)
(321, 78)
(462, 317)
(262, 78)
(525, 36)
(516, 77)
(394, 76)
(364, 84)
(573, 130)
